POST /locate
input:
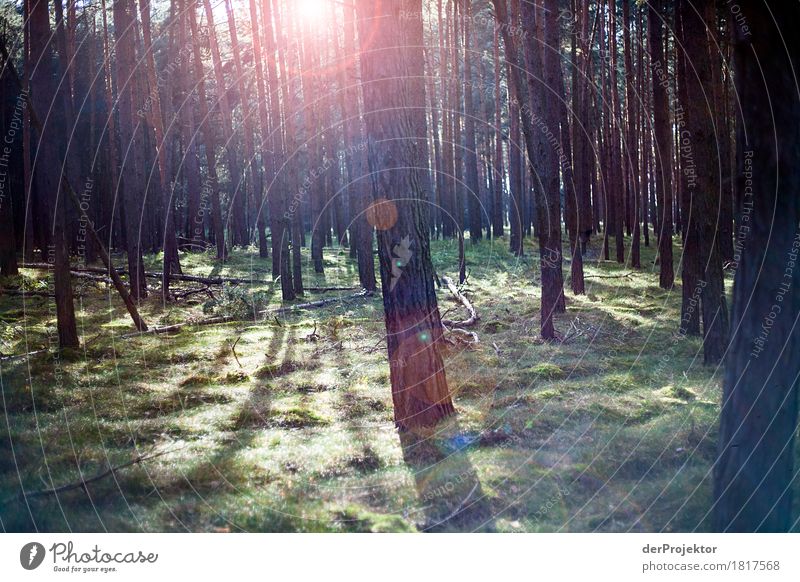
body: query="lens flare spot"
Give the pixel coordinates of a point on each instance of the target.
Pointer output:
(382, 214)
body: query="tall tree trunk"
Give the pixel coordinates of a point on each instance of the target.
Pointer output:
(171, 263)
(456, 103)
(644, 129)
(188, 164)
(414, 331)
(470, 153)
(663, 143)
(583, 160)
(278, 227)
(617, 188)
(273, 144)
(238, 228)
(544, 115)
(519, 110)
(132, 143)
(516, 198)
(690, 260)
(356, 158)
(8, 243)
(48, 161)
(291, 61)
(498, 168)
(705, 188)
(209, 141)
(566, 162)
(317, 191)
(631, 148)
(448, 193)
(754, 471)
(242, 200)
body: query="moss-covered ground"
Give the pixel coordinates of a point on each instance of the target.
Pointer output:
(285, 423)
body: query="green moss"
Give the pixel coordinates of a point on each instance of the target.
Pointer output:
(356, 519)
(262, 417)
(547, 371)
(278, 369)
(196, 380)
(236, 377)
(678, 392)
(620, 383)
(299, 435)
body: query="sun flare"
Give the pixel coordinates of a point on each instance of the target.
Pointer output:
(313, 10)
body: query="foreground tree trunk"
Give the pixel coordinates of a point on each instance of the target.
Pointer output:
(754, 471)
(413, 325)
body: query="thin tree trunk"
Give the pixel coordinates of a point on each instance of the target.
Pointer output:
(470, 154)
(132, 143)
(356, 158)
(631, 149)
(280, 225)
(236, 199)
(498, 165)
(566, 162)
(663, 141)
(617, 188)
(458, 151)
(171, 263)
(209, 142)
(690, 261)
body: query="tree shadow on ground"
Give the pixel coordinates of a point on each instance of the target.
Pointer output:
(449, 491)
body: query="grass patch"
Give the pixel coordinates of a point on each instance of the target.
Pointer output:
(298, 435)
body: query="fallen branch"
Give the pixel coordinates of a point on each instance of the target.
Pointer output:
(329, 289)
(318, 304)
(79, 272)
(84, 482)
(22, 293)
(231, 318)
(25, 355)
(473, 314)
(609, 276)
(187, 292)
(473, 337)
(85, 272)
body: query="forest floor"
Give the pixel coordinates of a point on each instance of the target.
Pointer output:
(284, 423)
